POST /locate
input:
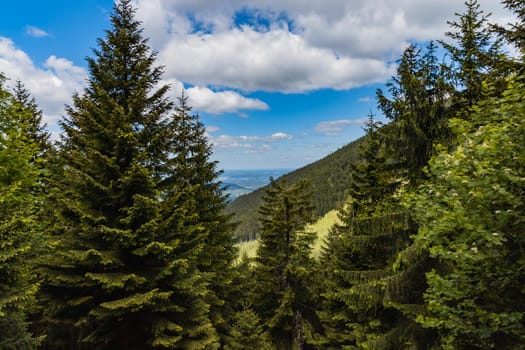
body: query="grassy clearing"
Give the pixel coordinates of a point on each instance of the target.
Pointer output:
(321, 227)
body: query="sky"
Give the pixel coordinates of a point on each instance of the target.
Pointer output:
(277, 83)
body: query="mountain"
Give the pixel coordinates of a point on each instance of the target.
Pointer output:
(237, 182)
(329, 178)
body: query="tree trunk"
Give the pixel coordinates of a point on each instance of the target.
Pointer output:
(298, 330)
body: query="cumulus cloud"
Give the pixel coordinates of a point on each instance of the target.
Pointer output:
(212, 129)
(36, 32)
(52, 84)
(219, 102)
(281, 136)
(248, 144)
(335, 127)
(277, 61)
(279, 46)
(289, 46)
(365, 99)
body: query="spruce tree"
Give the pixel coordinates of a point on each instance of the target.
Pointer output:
(515, 34)
(128, 237)
(475, 58)
(417, 108)
(359, 252)
(369, 182)
(248, 332)
(193, 164)
(33, 116)
(283, 295)
(420, 108)
(363, 289)
(20, 195)
(475, 55)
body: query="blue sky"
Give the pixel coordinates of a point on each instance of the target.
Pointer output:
(277, 83)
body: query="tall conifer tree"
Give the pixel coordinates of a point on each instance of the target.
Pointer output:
(33, 116)
(475, 55)
(359, 252)
(20, 195)
(192, 163)
(514, 33)
(283, 295)
(128, 234)
(417, 108)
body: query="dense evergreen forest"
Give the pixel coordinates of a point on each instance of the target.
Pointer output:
(328, 177)
(118, 237)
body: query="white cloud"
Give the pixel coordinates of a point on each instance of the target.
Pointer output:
(278, 60)
(212, 128)
(281, 136)
(300, 46)
(36, 32)
(248, 144)
(52, 84)
(219, 102)
(335, 127)
(365, 99)
(203, 99)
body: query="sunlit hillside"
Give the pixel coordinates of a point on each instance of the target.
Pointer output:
(321, 226)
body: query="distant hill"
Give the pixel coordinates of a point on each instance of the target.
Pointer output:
(329, 179)
(233, 187)
(237, 182)
(234, 190)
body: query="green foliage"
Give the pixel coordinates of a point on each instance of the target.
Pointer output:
(471, 215)
(358, 254)
(516, 34)
(247, 332)
(475, 55)
(129, 269)
(418, 110)
(284, 295)
(369, 179)
(32, 116)
(20, 195)
(328, 177)
(193, 165)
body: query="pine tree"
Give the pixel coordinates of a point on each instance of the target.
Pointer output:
(248, 333)
(368, 178)
(128, 232)
(420, 108)
(515, 34)
(283, 296)
(359, 253)
(192, 163)
(417, 108)
(33, 116)
(475, 58)
(19, 227)
(364, 293)
(475, 55)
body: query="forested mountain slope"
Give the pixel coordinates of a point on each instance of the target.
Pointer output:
(329, 178)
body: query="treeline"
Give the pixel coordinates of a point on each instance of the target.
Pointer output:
(117, 237)
(328, 177)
